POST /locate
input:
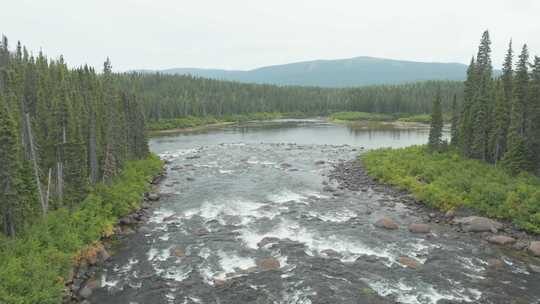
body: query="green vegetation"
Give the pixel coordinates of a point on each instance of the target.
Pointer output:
(450, 181)
(360, 116)
(174, 96)
(420, 118)
(34, 265)
(363, 116)
(61, 132)
(499, 119)
(435, 141)
(195, 121)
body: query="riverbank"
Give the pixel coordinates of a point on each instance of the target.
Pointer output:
(196, 123)
(459, 187)
(38, 266)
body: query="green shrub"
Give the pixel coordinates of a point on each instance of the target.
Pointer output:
(34, 265)
(449, 181)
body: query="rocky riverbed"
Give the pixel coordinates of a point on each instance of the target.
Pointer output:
(240, 221)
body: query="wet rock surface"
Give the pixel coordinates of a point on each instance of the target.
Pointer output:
(317, 247)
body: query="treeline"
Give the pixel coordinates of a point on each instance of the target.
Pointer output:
(61, 131)
(175, 96)
(499, 119)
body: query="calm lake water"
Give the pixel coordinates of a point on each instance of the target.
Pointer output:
(239, 200)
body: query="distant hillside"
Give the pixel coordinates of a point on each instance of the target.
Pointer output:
(336, 73)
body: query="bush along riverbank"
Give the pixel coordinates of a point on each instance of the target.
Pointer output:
(384, 117)
(198, 121)
(55, 256)
(463, 187)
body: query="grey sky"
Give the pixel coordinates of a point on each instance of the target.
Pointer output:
(245, 34)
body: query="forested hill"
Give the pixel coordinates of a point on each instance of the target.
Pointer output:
(175, 96)
(335, 73)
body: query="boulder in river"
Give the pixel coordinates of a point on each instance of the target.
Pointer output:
(419, 228)
(145, 230)
(267, 240)
(85, 292)
(200, 232)
(478, 224)
(386, 223)
(534, 248)
(408, 262)
(268, 264)
(534, 268)
(178, 252)
(153, 197)
(495, 263)
(331, 253)
(329, 189)
(501, 240)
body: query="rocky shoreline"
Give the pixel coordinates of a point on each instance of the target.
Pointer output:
(82, 280)
(352, 175)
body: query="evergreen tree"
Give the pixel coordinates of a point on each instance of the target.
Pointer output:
(502, 120)
(466, 118)
(454, 136)
(9, 170)
(533, 132)
(435, 142)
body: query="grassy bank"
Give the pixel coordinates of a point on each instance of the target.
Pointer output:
(34, 265)
(399, 117)
(197, 121)
(449, 181)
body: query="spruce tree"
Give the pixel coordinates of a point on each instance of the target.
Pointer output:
(9, 170)
(466, 118)
(533, 131)
(435, 142)
(454, 124)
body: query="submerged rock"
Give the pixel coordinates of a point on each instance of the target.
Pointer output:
(478, 224)
(268, 264)
(419, 228)
(386, 223)
(501, 240)
(267, 240)
(153, 196)
(201, 232)
(408, 262)
(534, 268)
(178, 252)
(495, 263)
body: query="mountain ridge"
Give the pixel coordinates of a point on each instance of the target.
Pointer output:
(348, 72)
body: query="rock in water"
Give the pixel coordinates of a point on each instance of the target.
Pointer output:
(501, 240)
(178, 252)
(386, 223)
(478, 224)
(495, 263)
(145, 230)
(85, 293)
(153, 197)
(267, 240)
(201, 232)
(268, 264)
(419, 228)
(408, 262)
(534, 248)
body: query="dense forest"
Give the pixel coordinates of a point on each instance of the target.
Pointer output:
(175, 96)
(499, 119)
(61, 131)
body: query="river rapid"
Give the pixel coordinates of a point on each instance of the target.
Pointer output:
(246, 216)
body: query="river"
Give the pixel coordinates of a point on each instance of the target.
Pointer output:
(244, 218)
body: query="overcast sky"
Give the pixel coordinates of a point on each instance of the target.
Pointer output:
(234, 34)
